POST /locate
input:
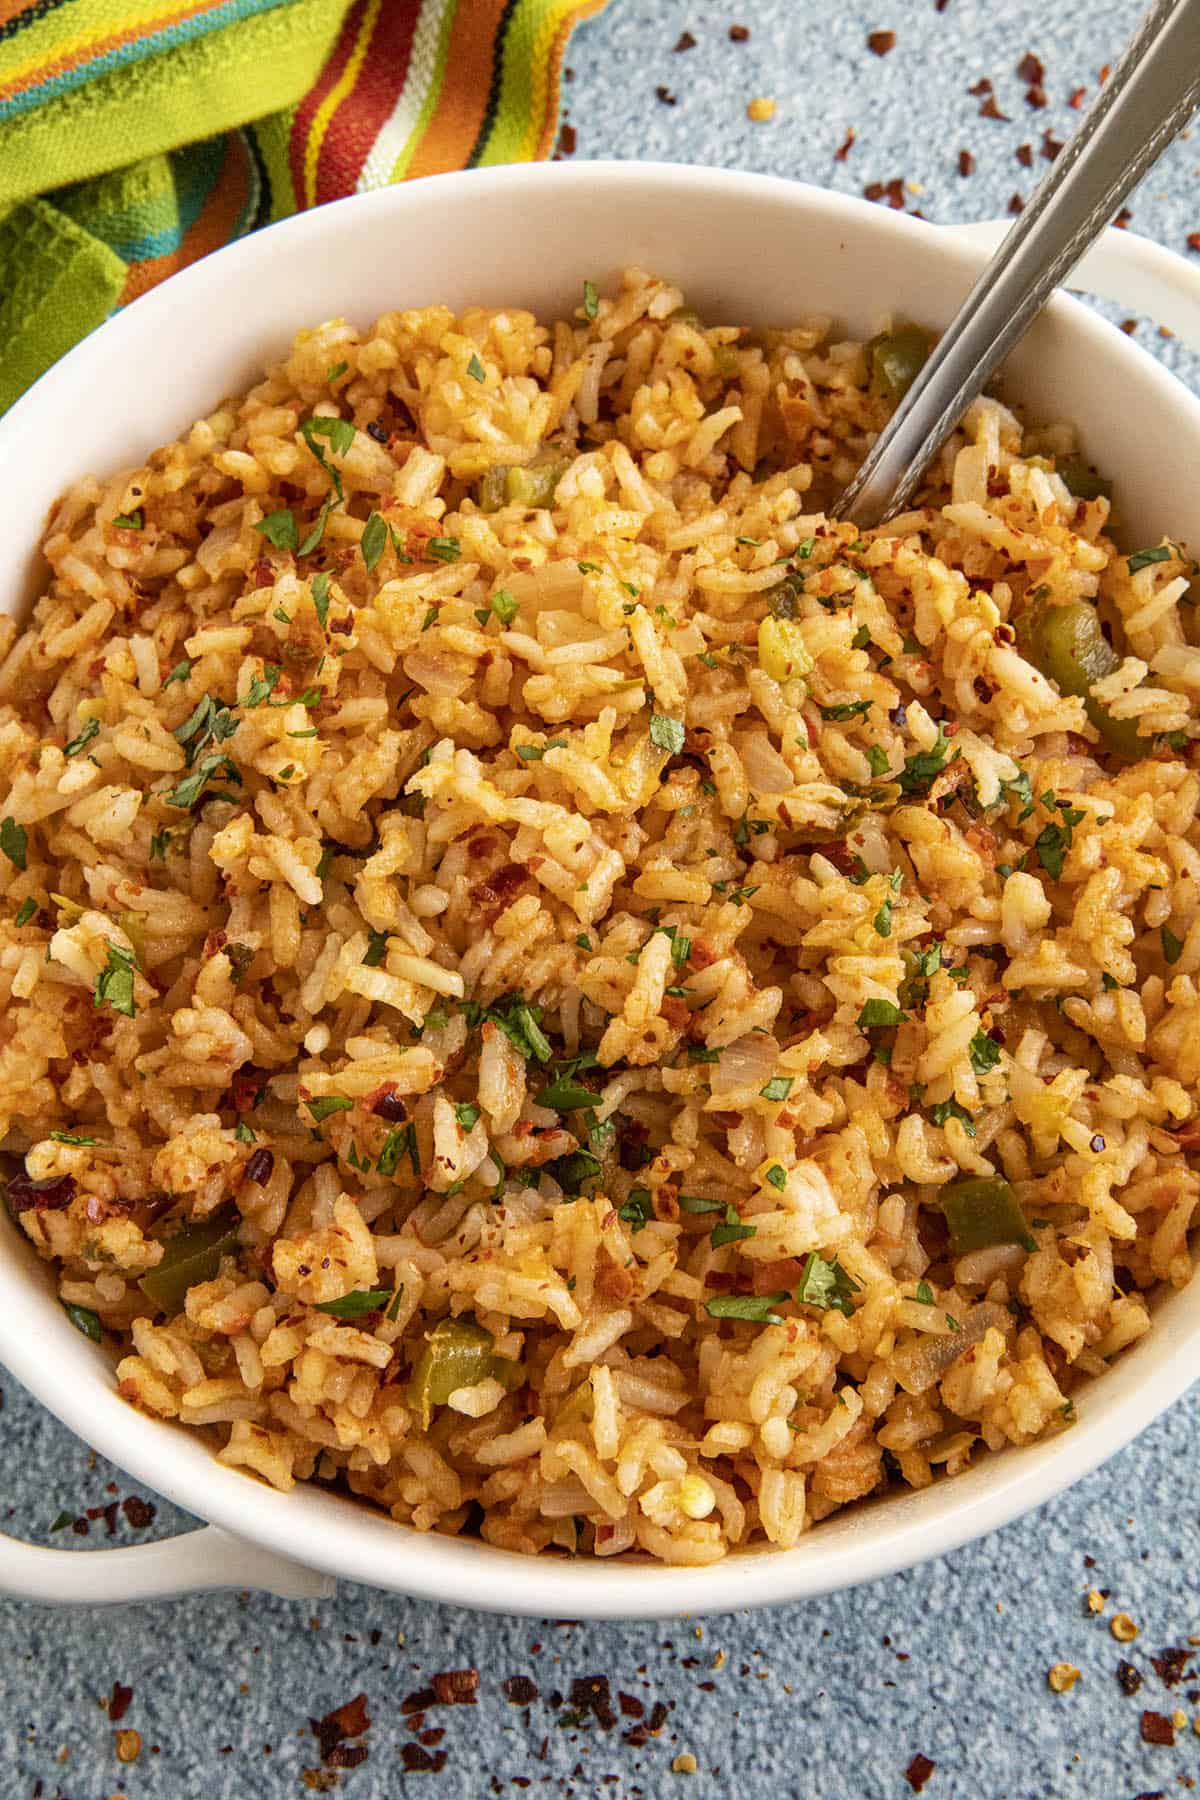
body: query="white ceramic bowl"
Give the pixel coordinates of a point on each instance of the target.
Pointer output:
(747, 249)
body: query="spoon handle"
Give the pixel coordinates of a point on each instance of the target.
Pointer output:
(1146, 100)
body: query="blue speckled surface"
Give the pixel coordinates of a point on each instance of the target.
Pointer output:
(829, 1701)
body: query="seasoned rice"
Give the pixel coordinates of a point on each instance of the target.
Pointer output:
(556, 963)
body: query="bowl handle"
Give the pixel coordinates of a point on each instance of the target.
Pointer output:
(194, 1562)
(1135, 272)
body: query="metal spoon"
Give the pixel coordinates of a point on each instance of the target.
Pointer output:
(1148, 98)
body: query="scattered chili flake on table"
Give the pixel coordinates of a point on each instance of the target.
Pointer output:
(456, 1687)
(1157, 1729)
(847, 144)
(1050, 145)
(567, 140)
(989, 110)
(1016, 205)
(761, 109)
(982, 86)
(1171, 1664)
(1062, 1677)
(1122, 1628)
(881, 42)
(128, 1745)
(351, 1719)
(966, 163)
(686, 41)
(1030, 70)
(521, 1690)
(739, 34)
(892, 191)
(1024, 155)
(666, 96)
(118, 1702)
(1193, 240)
(918, 1772)
(1075, 98)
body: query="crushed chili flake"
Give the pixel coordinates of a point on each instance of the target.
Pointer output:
(567, 140)
(456, 1687)
(966, 163)
(590, 1693)
(631, 1706)
(139, 1512)
(847, 144)
(1024, 155)
(1157, 1729)
(1122, 219)
(1030, 70)
(880, 42)
(421, 1762)
(350, 1719)
(1129, 1679)
(989, 110)
(1016, 205)
(686, 41)
(918, 1772)
(1129, 326)
(1193, 240)
(739, 34)
(665, 95)
(1170, 1665)
(521, 1690)
(982, 86)
(418, 1701)
(1075, 98)
(1035, 97)
(1050, 145)
(892, 191)
(118, 1702)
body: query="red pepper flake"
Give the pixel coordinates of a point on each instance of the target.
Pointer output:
(1035, 97)
(880, 42)
(1193, 240)
(1129, 326)
(1050, 145)
(519, 1689)
(1104, 72)
(456, 1687)
(1157, 1729)
(418, 1701)
(918, 1772)
(1122, 219)
(1024, 155)
(892, 191)
(1016, 205)
(631, 1706)
(590, 1693)
(567, 140)
(1030, 70)
(686, 41)
(846, 146)
(349, 1720)
(966, 163)
(666, 96)
(739, 34)
(422, 1762)
(1075, 98)
(982, 86)
(118, 1702)
(989, 109)
(1171, 1664)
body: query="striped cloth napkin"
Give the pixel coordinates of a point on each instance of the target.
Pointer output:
(137, 135)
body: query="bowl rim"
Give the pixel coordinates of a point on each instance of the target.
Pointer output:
(315, 1527)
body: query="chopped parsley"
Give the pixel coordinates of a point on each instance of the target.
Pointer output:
(355, 1305)
(666, 733)
(565, 1095)
(476, 370)
(262, 686)
(1141, 559)
(731, 1230)
(133, 521)
(985, 1053)
(1054, 840)
(14, 841)
(336, 369)
(1172, 946)
(638, 1210)
(188, 791)
(84, 1319)
(696, 1203)
(759, 1308)
(919, 771)
(26, 911)
(70, 1137)
(401, 1140)
(376, 950)
(852, 709)
(444, 549)
(591, 300)
(245, 1134)
(90, 730)
(778, 1088)
(700, 1053)
(279, 528)
(877, 760)
(328, 1104)
(503, 605)
(374, 540)
(879, 1012)
(777, 1176)
(825, 1285)
(467, 1116)
(924, 1294)
(320, 597)
(950, 1109)
(535, 752)
(114, 984)
(180, 672)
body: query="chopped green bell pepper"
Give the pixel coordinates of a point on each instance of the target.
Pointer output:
(1067, 644)
(982, 1211)
(193, 1255)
